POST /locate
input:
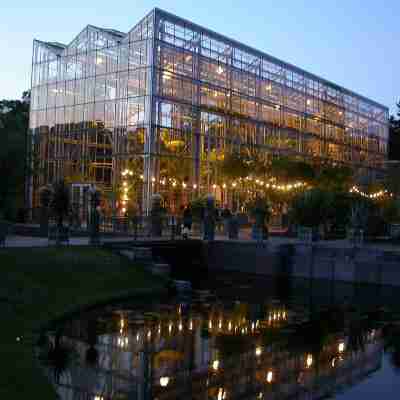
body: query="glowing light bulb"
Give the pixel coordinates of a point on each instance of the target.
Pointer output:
(221, 394)
(164, 381)
(258, 351)
(194, 186)
(191, 325)
(269, 376)
(309, 360)
(215, 365)
(341, 347)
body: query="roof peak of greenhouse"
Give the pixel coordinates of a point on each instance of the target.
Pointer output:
(118, 36)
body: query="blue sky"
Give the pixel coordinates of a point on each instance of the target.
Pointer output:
(353, 43)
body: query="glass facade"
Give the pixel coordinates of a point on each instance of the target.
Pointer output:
(165, 102)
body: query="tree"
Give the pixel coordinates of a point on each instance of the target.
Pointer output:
(14, 118)
(334, 178)
(289, 169)
(235, 166)
(60, 203)
(312, 208)
(394, 135)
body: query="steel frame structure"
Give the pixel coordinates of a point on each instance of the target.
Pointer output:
(169, 98)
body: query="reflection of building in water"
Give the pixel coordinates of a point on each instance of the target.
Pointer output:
(215, 354)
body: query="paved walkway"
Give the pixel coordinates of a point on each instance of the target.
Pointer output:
(29, 241)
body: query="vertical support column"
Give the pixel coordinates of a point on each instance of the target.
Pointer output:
(149, 161)
(196, 152)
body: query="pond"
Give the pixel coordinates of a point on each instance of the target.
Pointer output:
(241, 337)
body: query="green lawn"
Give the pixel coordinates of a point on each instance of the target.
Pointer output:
(38, 285)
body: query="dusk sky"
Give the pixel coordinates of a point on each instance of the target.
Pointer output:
(353, 43)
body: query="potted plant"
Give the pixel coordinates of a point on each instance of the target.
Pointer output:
(209, 219)
(391, 215)
(157, 213)
(60, 206)
(45, 196)
(310, 211)
(358, 221)
(259, 210)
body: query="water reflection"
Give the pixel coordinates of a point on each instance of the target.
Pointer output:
(204, 348)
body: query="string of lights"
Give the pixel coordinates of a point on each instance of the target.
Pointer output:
(270, 184)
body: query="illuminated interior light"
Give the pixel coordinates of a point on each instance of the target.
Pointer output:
(164, 381)
(309, 360)
(194, 186)
(221, 394)
(215, 365)
(341, 347)
(270, 376)
(220, 70)
(167, 76)
(258, 351)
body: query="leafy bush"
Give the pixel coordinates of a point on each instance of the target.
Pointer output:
(312, 208)
(259, 209)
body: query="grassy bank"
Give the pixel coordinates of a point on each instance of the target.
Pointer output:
(38, 285)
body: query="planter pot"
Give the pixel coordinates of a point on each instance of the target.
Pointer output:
(395, 231)
(308, 234)
(233, 228)
(355, 236)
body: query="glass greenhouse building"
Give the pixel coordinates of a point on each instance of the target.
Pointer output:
(154, 110)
